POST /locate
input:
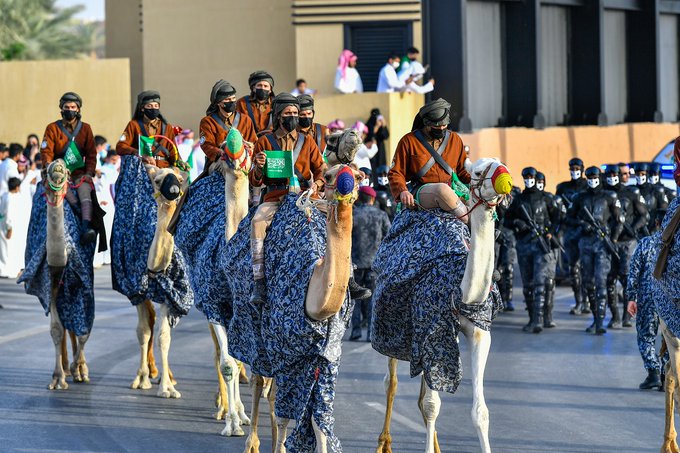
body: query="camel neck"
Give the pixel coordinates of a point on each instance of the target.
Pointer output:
(480, 259)
(235, 200)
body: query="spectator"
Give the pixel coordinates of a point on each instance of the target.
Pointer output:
(9, 168)
(301, 88)
(104, 185)
(370, 226)
(388, 82)
(411, 67)
(336, 125)
(624, 170)
(4, 152)
(101, 145)
(347, 78)
(191, 153)
(11, 251)
(32, 147)
(368, 148)
(378, 132)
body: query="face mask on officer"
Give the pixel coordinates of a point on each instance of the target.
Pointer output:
(593, 182)
(365, 182)
(612, 180)
(641, 179)
(575, 174)
(383, 180)
(529, 182)
(654, 179)
(540, 185)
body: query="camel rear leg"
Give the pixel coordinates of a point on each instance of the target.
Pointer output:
(144, 332)
(282, 433)
(222, 401)
(253, 441)
(229, 370)
(151, 360)
(64, 351)
(671, 389)
(270, 391)
(429, 404)
(57, 333)
(390, 382)
(166, 387)
(79, 369)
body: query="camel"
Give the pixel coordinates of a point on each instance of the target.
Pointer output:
(57, 257)
(486, 192)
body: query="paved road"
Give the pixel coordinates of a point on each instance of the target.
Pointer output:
(561, 391)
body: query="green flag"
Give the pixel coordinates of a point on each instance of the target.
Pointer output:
(72, 157)
(279, 164)
(145, 146)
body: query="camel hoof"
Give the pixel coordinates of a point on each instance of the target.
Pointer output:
(384, 444)
(158, 381)
(670, 446)
(232, 427)
(252, 444)
(244, 420)
(169, 393)
(141, 383)
(58, 384)
(221, 413)
(153, 372)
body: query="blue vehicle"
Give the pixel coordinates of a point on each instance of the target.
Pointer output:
(665, 158)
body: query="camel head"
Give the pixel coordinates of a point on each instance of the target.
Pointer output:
(168, 185)
(236, 156)
(490, 181)
(342, 147)
(342, 184)
(57, 182)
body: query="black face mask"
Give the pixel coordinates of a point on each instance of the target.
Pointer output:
(229, 107)
(152, 114)
(305, 121)
(290, 123)
(437, 133)
(261, 94)
(68, 115)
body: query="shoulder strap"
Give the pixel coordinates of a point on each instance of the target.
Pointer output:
(298, 146)
(666, 243)
(436, 156)
(237, 119)
(318, 136)
(249, 107)
(219, 121)
(142, 128)
(69, 136)
(275, 144)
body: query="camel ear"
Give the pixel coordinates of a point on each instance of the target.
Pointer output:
(468, 165)
(151, 171)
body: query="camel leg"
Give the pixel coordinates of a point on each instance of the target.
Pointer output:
(243, 377)
(253, 441)
(271, 399)
(390, 382)
(79, 369)
(321, 439)
(480, 343)
(166, 388)
(282, 428)
(57, 332)
(151, 360)
(64, 354)
(230, 373)
(429, 404)
(671, 386)
(143, 333)
(222, 401)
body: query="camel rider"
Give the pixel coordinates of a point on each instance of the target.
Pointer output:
(571, 234)
(60, 139)
(316, 131)
(533, 216)
(148, 121)
(428, 156)
(258, 104)
(383, 196)
(220, 117)
(635, 218)
(595, 255)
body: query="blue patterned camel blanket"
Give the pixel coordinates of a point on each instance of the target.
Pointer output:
(668, 307)
(200, 236)
(301, 354)
(420, 267)
(75, 300)
(134, 226)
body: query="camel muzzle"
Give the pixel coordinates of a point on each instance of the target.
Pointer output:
(170, 188)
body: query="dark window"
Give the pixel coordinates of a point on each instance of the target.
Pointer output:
(372, 42)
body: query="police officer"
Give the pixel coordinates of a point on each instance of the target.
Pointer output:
(533, 216)
(383, 196)
(506, 253)
(560, 212)
(635, 217)
(655, 179)
(654, 196)
(605, 208)
(567, 190)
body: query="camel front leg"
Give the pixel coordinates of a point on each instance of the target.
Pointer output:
(144, 333)
(282, 428)
(671, 385)
(79, 369)
(277, 437)
(429, 404)
(57, 332)
(151, 360)
(166, 389)
(253, 441)
(390, 383)
(480, 343)
(321, 439)
(229, 370)
(222, 402)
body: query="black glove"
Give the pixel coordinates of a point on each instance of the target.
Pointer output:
(520, 226)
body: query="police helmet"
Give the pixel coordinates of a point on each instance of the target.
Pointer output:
(654, 168)
(641, 166)
(529, 172)
(576, 162)
(592, 171)
(367, 171)
(540, 176)
(382, 170)
(612, 169)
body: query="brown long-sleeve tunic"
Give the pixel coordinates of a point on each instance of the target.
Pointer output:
(55, 141)
(213, 135)
(411, 156)
(260, 112)
(309, 163)
(319, 139)
(128, 144)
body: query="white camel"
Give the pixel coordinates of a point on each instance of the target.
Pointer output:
(57, 257)
(159, 258)
(475, 290)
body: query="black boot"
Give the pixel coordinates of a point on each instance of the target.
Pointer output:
(578, 293)
(87, 234)
(615, 322)
(505, 287)
(626, 316)
(259, 292)
(356, 291)
(653, 380)
(537, 312)
(600, 313)
(548, 305)
(529, 302)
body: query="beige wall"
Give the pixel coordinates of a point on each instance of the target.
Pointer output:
(124, 24)
(397, 108)
(318, 49)
(549, 150)
(32, 89)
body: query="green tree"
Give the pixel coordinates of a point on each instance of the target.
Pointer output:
(39, 30)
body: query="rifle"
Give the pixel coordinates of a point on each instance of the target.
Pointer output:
(609, 245)
(536, 231)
